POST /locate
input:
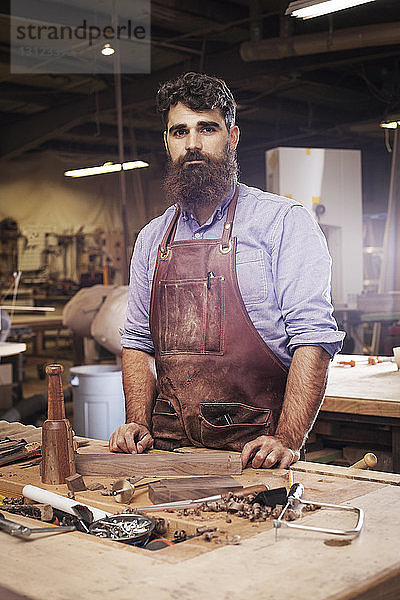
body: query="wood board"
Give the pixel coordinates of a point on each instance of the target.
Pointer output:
(30, 433)
(364, 389)
(158, 465)
(190, 488)
(346, 473)
(258, 567)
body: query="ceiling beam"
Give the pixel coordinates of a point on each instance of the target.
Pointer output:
(32, 131)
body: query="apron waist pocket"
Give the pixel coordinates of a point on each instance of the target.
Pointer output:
(164, 407)
(167, 429)
(232, 424)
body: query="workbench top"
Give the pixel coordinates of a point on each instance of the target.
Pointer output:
(364, 389)
(299, 565)
(11, 348)
(36, 320)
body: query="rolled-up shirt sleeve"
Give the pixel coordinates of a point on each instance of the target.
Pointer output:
(136, 332)
(302, 273)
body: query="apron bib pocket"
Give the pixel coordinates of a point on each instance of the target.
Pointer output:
(191, 316)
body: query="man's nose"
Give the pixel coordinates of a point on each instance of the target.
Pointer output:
(193, 141)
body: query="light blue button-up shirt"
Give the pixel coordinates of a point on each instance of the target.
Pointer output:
(283, 270)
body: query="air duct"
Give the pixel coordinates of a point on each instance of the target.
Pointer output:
(351, 38)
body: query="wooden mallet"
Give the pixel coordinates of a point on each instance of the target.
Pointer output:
(57, 436)
(367, 461)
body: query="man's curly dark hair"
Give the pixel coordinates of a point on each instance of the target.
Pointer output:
(198, 92)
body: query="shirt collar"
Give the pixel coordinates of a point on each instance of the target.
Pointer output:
(219, 211)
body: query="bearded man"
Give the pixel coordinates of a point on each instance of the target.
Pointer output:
(229, 328)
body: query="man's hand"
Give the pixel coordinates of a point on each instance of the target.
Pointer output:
(131, 438)
(267, 451)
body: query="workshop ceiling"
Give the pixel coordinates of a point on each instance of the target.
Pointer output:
(315, 95)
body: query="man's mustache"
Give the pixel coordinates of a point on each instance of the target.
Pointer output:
(193, 155)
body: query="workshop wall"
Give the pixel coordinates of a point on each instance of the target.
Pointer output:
(59, 227)
(35, 193)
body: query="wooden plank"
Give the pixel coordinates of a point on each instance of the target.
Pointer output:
(325, 455)
(347, 473)
(190, 488)
(17, 431)
(362, 406)
(158, 465)
(99, 568)
(364, 389)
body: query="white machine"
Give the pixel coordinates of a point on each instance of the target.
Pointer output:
(328, 183)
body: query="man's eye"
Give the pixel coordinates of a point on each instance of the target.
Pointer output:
(179, 132)
(208, 129)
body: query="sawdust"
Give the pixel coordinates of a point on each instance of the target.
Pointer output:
(335, 542)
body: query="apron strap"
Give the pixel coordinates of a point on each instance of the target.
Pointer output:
(170, 233)
(225, 244)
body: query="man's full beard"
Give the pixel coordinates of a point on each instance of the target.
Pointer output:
(200, 185)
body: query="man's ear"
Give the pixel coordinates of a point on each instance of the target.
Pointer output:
(234, 135)
(166, 143)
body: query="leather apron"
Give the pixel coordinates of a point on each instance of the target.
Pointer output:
(218, 383)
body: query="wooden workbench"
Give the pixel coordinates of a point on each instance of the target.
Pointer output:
(37, 325)
(300, 565)
(368, 394)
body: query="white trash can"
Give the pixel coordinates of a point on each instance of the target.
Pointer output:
(98, 399)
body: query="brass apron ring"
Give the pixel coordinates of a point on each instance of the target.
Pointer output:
(225, 249)
(164, 253)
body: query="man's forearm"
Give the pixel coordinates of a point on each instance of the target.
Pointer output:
(139, 379)
(305, 390)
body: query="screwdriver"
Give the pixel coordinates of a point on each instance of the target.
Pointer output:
(295, 493)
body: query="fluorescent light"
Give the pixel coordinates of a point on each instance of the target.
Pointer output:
(107, 50)
(390, 124)
(108, 167)
(307, 9)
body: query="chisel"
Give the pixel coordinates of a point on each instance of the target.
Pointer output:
(242, 492)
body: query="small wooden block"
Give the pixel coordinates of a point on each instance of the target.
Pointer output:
(95, 486)
(75, 483)
(46, 511)
(190, 488)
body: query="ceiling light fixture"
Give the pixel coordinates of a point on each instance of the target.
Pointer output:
(107, 50)
(308, 9)
(108, 167)
(390, 124)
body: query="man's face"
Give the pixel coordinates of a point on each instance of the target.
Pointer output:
(202, 162)
(189, 132)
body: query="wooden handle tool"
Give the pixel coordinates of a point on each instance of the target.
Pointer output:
(123, 490)
(368, 460)
(243, 492)
(57, 436)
